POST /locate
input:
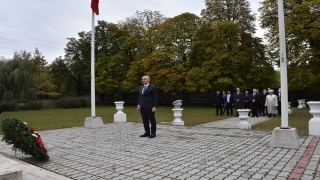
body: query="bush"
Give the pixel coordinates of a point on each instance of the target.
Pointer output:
(9, 106)
(18, 134)
(72, 102)
(33, 105)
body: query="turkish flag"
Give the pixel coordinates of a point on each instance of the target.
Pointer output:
(95, 6)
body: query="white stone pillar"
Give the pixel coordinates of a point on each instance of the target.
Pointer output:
(243, 116)
(120, 116)
(304, 103)
(289, 110)
(300, 104)
(314, 123)
(177, 113)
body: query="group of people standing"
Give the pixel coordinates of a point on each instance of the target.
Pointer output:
(261, 104)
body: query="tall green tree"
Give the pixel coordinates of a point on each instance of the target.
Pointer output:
(169, 63)
(141, 40)
(113, 61)
(302, 23)
(16, 82)
(78, 58)
(237, 11)
(62, 79)
(238, 60)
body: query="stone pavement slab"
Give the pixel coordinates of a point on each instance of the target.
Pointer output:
(29, 172)
(178, 152)
(233, 122)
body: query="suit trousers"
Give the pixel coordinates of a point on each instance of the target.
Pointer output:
(238, 107)
(279, 108)
(264, 110)
(254, 109)
(218, 109)
(147, 115)
(246, 105)
(229, 107)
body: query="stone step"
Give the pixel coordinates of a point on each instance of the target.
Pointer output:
(10, 173)
(19, 170)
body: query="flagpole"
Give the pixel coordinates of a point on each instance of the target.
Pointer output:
(284, 136)
(93, 91)
(283, 68)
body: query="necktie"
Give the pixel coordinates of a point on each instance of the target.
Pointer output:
(144, 88)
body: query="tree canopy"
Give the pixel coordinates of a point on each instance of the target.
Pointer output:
(302, 24)
(185, 53)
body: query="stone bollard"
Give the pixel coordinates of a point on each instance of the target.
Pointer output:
(300, 104)
(289, 110)
(120, 116)
(243, 116)
(177, 113)
(314, 123)
(304, 103)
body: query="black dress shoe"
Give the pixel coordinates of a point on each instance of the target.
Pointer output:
(145, 135)
(152, 136)
(252, 116)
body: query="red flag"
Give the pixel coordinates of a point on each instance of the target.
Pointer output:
(94, 6)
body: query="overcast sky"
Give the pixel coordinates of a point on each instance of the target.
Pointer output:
(27, 24)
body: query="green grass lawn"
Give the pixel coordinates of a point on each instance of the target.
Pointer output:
(298, 119)
(53, 118)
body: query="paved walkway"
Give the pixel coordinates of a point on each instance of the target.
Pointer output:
(178, 152)
(233, 122)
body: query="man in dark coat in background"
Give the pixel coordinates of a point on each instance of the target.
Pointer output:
(238, 100)
(246, 101)
(218, 102)
(229, 102)
(254, 98)
(279, 101)
(263, 101)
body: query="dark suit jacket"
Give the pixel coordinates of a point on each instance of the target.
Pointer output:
(246, 98)
(256, 98)
(263, 98)
(239, 96)
(231, 100)
(149, 98)
(218, 100)
(278, 96)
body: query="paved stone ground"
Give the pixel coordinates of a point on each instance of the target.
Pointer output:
(233, 122)
(117, 152)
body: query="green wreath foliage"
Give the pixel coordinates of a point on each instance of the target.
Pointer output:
(17, 133)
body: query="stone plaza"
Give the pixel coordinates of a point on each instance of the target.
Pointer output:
(216, 150)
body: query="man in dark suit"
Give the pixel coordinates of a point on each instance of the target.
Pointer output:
(279, 101)
(263, 101)
(254, 98)
(218, 102)
(224, 105)
(246, 101)
(259, 105)
(229, 102)
(238, 100)
(147, 105)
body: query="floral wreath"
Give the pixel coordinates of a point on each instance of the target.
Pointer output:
(38, 138)
(23, 137)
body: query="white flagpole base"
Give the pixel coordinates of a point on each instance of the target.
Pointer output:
(285, 138)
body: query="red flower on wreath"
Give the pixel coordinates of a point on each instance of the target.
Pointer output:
(38, 139)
